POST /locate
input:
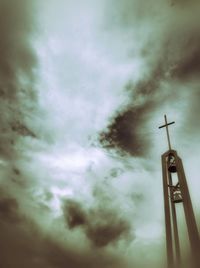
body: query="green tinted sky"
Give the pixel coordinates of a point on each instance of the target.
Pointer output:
(84, 86)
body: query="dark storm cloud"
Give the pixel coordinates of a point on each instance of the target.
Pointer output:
(17, 63)
(29, 248)
(24, 245)
(178, 61)
(22, 129)
(186, 70)
(106, 227)
(74, 214)
(124, 132)
(186, 64)
(101, 226)
(8, 209)
(188, 67)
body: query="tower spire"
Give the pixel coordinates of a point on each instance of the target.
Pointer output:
(166, 125)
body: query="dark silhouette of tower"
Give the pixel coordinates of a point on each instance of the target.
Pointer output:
(176, 191)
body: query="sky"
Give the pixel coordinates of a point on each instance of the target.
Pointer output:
(84, 86)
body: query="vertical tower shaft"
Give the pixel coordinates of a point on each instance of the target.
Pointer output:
(174, 194)
(168, 227)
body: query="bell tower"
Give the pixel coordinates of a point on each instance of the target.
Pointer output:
(176, 191)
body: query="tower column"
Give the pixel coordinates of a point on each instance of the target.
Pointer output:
(174, 194)
(168, 227)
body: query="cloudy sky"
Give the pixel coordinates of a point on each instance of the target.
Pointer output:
(84, 86)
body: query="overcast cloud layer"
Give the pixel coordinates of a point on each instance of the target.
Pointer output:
(84, 87)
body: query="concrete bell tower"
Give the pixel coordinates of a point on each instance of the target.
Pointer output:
(176, 191)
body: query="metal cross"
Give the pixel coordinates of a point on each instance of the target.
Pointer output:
(167, 130)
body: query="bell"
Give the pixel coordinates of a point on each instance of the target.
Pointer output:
(177, 197)
(172, 168)
(172, 164)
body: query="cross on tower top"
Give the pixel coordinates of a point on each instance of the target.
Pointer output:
(167, 130)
